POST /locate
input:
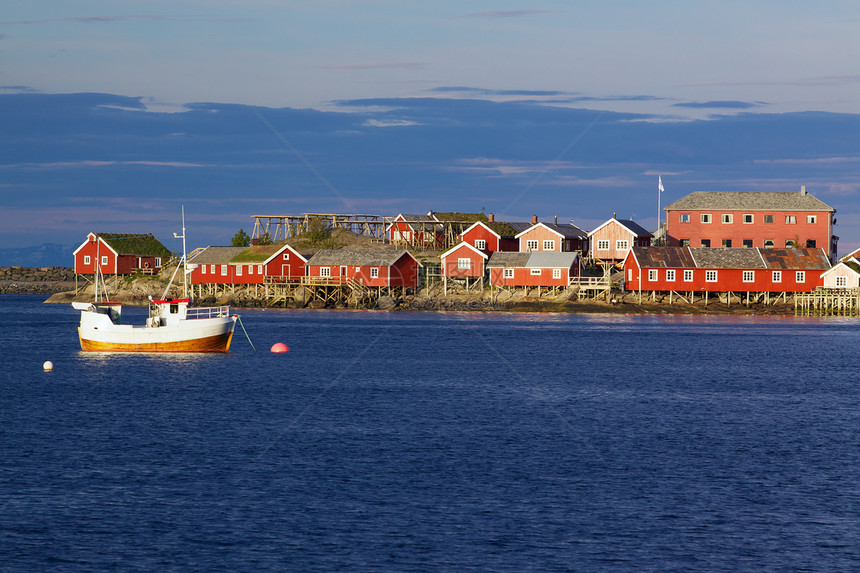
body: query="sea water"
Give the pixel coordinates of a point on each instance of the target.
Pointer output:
(388, 441)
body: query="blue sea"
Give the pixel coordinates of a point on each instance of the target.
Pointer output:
(399, 442)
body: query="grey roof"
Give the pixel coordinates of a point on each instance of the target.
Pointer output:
(727, 258)
(551, 260)
(357, 257)
(802, 258)
(634, 227)
(216, 255)
(568, 231)
(519, 227)
(749, 201)
(507, 259)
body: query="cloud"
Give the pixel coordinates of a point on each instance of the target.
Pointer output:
(725, 104)
(485, 91)
(496, 14)
(18, 90)
(814, 161)
(389, 123)
(93, 163)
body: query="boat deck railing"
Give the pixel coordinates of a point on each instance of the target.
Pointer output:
(207, 312)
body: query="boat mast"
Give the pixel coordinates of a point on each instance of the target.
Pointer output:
(183, 261)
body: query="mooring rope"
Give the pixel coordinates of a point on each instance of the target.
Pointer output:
(246, 332)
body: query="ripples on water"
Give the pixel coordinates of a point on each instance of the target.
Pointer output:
(415, 442)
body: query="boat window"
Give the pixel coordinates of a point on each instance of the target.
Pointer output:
(174, 308)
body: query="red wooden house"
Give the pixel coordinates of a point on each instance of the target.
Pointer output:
(463, 263)
(491, 236)
(270, 263)
(515, 270)
(612, 240)
(120, 254)
(751, 219)
(368, 267)
(411, 229)
(553, 238)
(212, 266)
(702, 269)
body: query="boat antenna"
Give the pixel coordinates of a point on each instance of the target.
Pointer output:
(181, 263)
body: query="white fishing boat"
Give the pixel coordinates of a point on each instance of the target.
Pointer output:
(172, 325)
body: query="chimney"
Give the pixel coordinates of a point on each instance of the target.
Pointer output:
(556, 220)
(803, 189)
(491, 217)
(613, 214)
(534, 219)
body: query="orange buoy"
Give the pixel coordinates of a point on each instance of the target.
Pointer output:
(279, 347)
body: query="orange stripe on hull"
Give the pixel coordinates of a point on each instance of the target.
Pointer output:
(218, 343)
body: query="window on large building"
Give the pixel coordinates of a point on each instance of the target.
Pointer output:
(749, 276)
(776, 276)
(790, 219)
(748, 218)
(748, 243)
(811, 219)
(810, 243)
(685, 217)
(768, 243)
(685, 242)
(532, 245)
(688, 275)
(711, 276)
(800, 277)
(727, 242)
(768, 218)
(670, 275)
(652, 275)
(706, 217)
(706, 242)
(727, 218)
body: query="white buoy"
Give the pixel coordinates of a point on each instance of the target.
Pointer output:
(48, 366)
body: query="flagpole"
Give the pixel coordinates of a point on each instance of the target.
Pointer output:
(662, 240)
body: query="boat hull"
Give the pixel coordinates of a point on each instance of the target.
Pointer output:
(214, 343)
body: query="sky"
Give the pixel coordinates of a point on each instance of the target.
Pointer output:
(567, 109)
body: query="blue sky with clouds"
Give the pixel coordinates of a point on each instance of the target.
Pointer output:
(557, 108)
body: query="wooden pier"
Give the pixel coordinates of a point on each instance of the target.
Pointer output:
(828, 302)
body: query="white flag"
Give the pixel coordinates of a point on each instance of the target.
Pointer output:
(659, 184)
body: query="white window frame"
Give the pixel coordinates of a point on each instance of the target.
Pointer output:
(811, 219)
(548, 245)
(259, 269)
(202, 269)
(374, 272)
(748, 276)
(285, 256)
(688, 275)
(711, 276)
(223, 270)
(603, 245)
(684, 218)
(800, 276)
(776, 277)
(211, 269)
(748, 219)
(841, 282)
(464, 264)
(556, 273)
(480, 244)
(104, 260)
(705, 218)
(238, 270)
(536, 272)
(727, 218)
(325, 271)
(768, 219)
(791, 219)
(87, 260)
(507, 273)
(652, 275)
(532, 245)
(158, 262)
(621, 244)
(765, 244)
(670, 275)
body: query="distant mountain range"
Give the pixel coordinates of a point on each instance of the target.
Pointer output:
(45, 255)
